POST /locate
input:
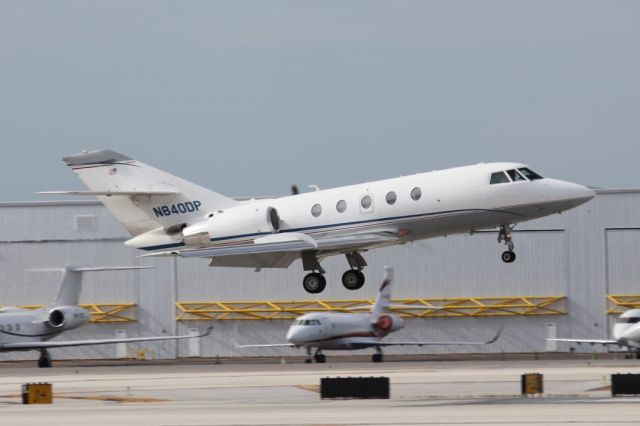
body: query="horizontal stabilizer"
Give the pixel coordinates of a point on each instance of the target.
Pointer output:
(112, 193)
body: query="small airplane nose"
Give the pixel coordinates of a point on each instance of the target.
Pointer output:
(293, 335)
(570, 192)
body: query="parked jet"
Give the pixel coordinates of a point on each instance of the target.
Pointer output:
(23, 329)
(167, 215)
(352, 331)
(626, 333)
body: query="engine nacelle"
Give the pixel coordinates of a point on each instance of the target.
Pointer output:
(236, 221)
(386, 323)
(67, 317)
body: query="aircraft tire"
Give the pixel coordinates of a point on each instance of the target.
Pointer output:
(314, 283)
(508, 256)
(321, 358)
(376, 358)
(353, 279)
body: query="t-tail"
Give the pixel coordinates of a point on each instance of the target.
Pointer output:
(150, 203)
(383, 300)
(71, 284)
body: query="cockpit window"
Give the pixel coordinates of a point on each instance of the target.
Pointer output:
(307, 322)
(629, 320)
(515, 176)
(498, 177)
(529, 174)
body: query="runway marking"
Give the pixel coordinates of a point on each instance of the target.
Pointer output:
(312, 388)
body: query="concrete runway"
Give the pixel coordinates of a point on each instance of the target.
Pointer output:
(422, 393)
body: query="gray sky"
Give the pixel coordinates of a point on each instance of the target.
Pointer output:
(248, 97)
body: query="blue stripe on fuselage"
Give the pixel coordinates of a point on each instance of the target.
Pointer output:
(335, 225)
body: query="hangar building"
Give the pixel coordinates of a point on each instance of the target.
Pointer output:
(573, 272)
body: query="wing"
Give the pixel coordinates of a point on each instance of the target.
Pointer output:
(444, 343)
(590, 341)
(281, 250)
(273, 345)
(63, 344)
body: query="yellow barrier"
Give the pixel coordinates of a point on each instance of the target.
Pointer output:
(412, 308)
(105, 312)
(619, 303)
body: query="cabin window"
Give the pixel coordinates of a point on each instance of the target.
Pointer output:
(341, 206)
(316, 210)
(391, 198)
(529, 174)
(515, 176)
(498, 177)
(416, 193)
(365, 202)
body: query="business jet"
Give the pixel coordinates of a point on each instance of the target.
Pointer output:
(169, 216)
(23, 329)
(353, 331)
(626, 333)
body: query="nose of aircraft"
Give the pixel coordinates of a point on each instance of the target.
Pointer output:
(293, 334)
(572, 193)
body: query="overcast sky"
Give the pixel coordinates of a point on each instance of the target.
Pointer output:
(248, 97)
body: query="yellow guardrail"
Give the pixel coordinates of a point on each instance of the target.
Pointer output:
(619, 303)
(105, 312)
(411, 308)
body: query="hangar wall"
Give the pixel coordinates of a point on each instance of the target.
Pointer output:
(583, 254)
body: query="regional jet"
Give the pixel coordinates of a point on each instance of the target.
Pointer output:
(24, 330)
(626, 333)
(168, 216)
(352, 331)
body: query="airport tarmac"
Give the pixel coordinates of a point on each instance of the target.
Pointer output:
(471, 392)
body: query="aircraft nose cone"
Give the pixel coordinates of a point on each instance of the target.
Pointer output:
(293, 335)
(571, 193)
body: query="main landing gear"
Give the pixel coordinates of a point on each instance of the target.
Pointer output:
(318, 357)
(45, 359)
(353, 279)
(377, 357)
(315, 282)
(508, 256)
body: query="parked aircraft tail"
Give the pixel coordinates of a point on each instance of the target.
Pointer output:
(383, 300)
(71, 285)
(142, 197)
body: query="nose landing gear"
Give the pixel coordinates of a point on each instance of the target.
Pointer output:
(508, 256)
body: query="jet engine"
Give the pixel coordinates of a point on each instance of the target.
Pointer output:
(67, 317)
(247, 220)
(386, 323)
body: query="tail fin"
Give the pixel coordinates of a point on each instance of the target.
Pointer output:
(383, 301)
(141, 197)
(71, 285)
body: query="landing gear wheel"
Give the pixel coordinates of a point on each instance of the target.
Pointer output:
(307, 360)
(45, 359)
(508, 256)
(376, 357)
(320, 358)
(314, 283)
(353, 279)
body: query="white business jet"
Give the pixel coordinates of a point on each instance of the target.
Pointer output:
(626, 333)
(352, 331)
(167, 215)
(24, 330)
